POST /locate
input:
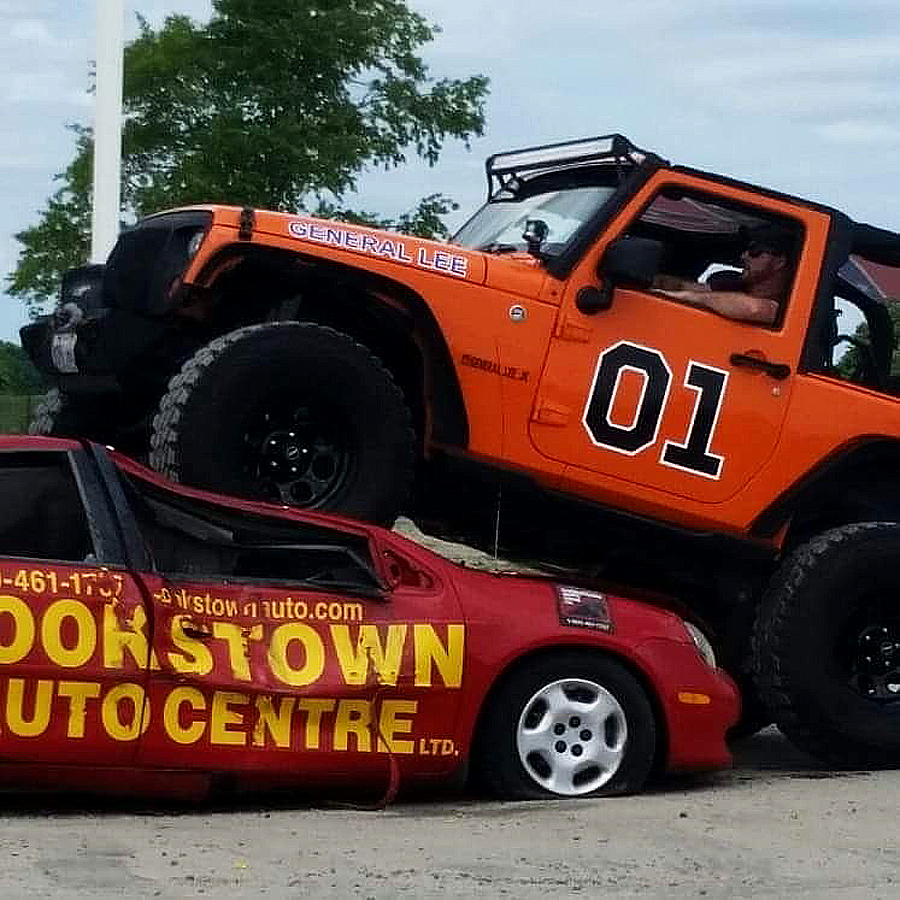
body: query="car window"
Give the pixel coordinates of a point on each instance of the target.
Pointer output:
(865, 326)
(704, 239)
(42, 515)
(207, 540)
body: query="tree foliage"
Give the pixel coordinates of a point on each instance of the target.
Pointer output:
(17, 374)
(279, 104)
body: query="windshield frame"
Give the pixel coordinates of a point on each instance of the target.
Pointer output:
(625, 180)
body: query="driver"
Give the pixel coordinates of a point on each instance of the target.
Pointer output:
(753, 295)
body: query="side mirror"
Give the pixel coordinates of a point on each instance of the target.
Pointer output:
(631, 261)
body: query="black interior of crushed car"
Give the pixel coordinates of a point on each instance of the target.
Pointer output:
(41, 512)
(205, 540)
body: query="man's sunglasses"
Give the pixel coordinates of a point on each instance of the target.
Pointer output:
(754, 250)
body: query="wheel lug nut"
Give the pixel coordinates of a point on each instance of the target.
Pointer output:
(576, 750)
(559, 728)
(560, 746)
(574, 722)
(585, 735)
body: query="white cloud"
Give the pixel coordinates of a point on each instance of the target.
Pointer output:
(860, 131)
(34, 31)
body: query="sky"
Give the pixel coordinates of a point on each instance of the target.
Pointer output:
(796, 95)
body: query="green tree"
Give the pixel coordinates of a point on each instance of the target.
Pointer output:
(279, 104)
(17, 374)
(61, 239)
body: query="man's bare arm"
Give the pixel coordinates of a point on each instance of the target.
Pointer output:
(664, 282)
(732, 304)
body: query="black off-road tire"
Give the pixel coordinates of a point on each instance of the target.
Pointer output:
(497, 763)
(211, 428)
(808, 648)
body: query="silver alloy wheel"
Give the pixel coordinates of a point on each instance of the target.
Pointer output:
(571, 736)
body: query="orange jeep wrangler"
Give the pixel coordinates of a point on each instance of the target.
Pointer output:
(536, 386)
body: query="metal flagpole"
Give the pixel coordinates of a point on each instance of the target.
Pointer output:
(107, 128)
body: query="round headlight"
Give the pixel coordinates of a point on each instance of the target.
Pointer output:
(701, 642)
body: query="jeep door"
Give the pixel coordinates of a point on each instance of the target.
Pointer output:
(655, 393)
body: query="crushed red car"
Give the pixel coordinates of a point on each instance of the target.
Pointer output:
(159, 638)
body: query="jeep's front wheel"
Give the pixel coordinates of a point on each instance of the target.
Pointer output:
(827, 646)
(292, 412)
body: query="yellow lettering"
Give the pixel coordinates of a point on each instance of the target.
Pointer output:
(277, 724)
(23, 629)
(354, 662)
(111, 713)
(77, 693)
(177, 698)
(85, 633)
(238, 639)
(15, 712)
(116, 640)
(222, 716)
(353, 717)
(314, 710)
(389, 726)
(195, 658)
(314, 654)
(430, 650)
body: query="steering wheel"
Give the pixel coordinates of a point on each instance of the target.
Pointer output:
(865, 370)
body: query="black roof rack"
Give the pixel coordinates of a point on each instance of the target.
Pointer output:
(504, 168)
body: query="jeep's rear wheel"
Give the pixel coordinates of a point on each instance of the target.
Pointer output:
(827, 646)
(292, 412)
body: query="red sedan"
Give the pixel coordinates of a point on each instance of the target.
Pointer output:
(155, 637)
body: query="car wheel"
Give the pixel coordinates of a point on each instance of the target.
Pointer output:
(291, 412)
(570, 725)
(827, 646)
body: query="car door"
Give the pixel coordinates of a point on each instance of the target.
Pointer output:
(280, 646)
(74, 643)
(663, 394)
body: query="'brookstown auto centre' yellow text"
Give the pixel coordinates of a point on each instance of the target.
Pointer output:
(72, 636)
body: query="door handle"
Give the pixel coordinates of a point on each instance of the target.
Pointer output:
(778, 371)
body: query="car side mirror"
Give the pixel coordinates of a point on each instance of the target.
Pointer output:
(631, 261)
(628, 261)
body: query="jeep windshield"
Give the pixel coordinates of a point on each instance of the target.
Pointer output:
(497, 227)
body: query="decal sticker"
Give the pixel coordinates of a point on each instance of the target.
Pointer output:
(494, 368)
(631, 438)
(693, 455)
(639, 434)
(281, 657)
(584, 609)
(392, 248)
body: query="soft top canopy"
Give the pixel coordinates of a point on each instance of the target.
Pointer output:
(876, 244)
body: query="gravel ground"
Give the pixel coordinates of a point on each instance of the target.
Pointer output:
(771, 827)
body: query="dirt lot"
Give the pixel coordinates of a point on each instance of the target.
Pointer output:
(772, 827)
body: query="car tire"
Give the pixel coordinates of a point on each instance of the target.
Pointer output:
(292, 412)
(568, 725)
(827, 646)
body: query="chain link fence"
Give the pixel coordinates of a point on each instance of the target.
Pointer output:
(16, 411)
